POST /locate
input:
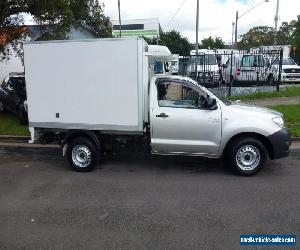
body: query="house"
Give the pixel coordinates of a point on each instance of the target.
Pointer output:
(32, 33)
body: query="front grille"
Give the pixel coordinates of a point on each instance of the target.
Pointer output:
(292, 77)
(291, 70)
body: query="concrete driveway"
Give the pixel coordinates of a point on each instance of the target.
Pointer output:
(141, 202)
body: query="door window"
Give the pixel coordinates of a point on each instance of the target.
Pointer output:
(253, 61)
(177, 95)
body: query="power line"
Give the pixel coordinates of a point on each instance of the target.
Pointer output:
(172, 18)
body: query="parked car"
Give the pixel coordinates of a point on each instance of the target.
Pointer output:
(13, 96)
(290, 70)
(247, 68)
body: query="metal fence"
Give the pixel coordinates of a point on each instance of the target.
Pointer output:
(234, 68)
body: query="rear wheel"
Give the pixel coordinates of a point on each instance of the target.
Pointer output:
(82, 154)
(246, 156)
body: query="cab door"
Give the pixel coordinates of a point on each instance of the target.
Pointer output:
(179, 124)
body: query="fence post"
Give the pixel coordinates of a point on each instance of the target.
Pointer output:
(231, 76)
(196, 66)
(280, 69)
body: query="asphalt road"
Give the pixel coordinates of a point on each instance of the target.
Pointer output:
(133, 202)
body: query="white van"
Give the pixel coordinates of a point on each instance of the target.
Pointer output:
(247, 68)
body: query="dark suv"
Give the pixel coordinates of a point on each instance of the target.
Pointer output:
(13, 96)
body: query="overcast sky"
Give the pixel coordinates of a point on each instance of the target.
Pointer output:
(215, 18)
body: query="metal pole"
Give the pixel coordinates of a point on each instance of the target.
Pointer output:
(280, 69)
(231, 76)
(197, 42)
(120, 24)
(236, 25)
(232, 35)
(276, 23)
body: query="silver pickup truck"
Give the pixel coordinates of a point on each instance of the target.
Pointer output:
(96, 111)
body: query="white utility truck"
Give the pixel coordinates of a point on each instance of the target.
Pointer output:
(273, 50)
(95, 96)
(159, 59)
(204, 67)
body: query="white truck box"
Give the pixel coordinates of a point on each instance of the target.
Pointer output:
(94, 84)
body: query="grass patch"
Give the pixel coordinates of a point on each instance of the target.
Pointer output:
(292, 117)
(10, 125)
(287, 92)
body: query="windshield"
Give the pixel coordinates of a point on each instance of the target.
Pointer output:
(158, 67)
(253, 61)
(205, 59)
(285, 61)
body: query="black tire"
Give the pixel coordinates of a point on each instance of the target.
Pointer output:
(245, 151)
(82, 148)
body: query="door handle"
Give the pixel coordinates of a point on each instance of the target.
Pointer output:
(162, 115)
(214, 119)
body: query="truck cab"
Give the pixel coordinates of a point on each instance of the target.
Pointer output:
(187, 119)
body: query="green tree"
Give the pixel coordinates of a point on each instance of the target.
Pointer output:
(285, 32)
(212, 43)
(177, 43)
(61, 13)
(255, 37)
(295, 36)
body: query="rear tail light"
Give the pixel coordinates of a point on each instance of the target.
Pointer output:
(238, 72)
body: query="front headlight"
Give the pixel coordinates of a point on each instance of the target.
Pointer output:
(279, 121)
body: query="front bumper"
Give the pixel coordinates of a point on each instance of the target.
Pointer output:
(290, 77)
(281, 141)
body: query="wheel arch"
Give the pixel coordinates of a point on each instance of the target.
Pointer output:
(263, 139)
(82, 133)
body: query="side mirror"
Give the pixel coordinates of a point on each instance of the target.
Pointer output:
(212, 104)
(208, 103)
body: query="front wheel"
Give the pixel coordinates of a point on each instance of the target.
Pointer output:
(246, 156)
(82, 154)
